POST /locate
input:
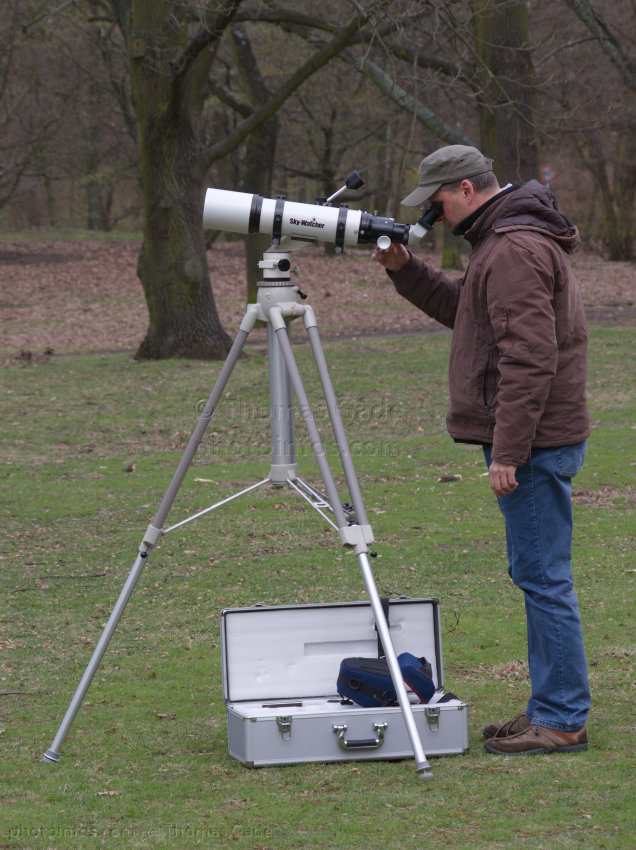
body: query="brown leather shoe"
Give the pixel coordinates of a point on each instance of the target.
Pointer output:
(538, 739)
(502, 730)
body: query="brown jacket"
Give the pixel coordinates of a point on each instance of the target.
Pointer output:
(518, 362)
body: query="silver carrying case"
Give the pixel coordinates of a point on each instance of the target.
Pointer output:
(280, 668)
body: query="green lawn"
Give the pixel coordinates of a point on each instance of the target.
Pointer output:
(89, 447)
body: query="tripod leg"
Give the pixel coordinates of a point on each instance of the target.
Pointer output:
(336, 419)
(356, 497)
(423, 767)
(52, 755)
(153, 533)
(204, 420)
(358, 535)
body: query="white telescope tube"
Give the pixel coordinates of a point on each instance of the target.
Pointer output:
(242, 212)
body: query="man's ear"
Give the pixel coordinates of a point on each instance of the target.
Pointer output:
(467, 189)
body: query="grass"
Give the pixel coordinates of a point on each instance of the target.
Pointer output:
(89, 448)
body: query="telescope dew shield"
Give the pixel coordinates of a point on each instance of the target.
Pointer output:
(242, 212)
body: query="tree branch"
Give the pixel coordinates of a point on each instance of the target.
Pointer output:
(314, 63)
(609, 44)
(227, 96)
(48, 14)
(398, 95)
(212, 32)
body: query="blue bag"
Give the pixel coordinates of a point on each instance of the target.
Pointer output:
(368, 682)
(417, 673)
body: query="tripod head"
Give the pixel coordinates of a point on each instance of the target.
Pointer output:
(296, 224)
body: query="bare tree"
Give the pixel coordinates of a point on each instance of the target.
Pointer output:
(171, 54)
(61, 116)
(28, 118)
(608, 38)
(605, 127)
(588, 114)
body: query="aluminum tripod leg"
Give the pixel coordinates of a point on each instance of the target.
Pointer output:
(355, 536)
(153, 533)
(336, 419)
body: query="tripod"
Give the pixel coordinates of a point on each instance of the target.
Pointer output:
(277, 305)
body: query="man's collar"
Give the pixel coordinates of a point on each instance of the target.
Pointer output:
(466, 223)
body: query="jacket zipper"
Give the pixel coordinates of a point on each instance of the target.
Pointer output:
(488, 371)
(489, 368)
(507, 315)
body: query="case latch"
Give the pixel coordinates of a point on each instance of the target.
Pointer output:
(432, 717)
(284, 723)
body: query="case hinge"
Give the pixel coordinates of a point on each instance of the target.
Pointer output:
(432, 717)
(284, 723)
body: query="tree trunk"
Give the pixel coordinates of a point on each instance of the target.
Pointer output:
(172, 263)
(616, 196)
(451, 254)
(622, 245)
(260, 151)
(508, 99)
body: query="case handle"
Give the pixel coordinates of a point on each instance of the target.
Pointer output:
(361, 743)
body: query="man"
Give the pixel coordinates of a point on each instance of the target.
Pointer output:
(517, 375)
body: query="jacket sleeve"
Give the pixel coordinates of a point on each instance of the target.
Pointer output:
(520, 281)
(431, 291)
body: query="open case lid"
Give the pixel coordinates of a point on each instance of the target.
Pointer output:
(294, 651)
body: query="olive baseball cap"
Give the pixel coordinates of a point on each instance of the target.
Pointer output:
(446, 165)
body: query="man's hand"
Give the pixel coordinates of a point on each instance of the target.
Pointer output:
(393, 259)
(502, 478)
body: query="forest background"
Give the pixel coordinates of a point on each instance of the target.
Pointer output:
(115, 115)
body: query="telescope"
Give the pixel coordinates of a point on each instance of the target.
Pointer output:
(242, 212)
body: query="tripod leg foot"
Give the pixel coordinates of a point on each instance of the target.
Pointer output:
(425, 773)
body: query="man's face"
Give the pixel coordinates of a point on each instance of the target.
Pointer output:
(457, 204)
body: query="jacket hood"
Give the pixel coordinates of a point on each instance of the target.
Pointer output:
(528, 207)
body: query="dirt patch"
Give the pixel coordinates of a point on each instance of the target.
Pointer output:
(604, 496)
(11, 258)
(68, 297)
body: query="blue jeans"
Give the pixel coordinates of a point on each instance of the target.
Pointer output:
(538, 517)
